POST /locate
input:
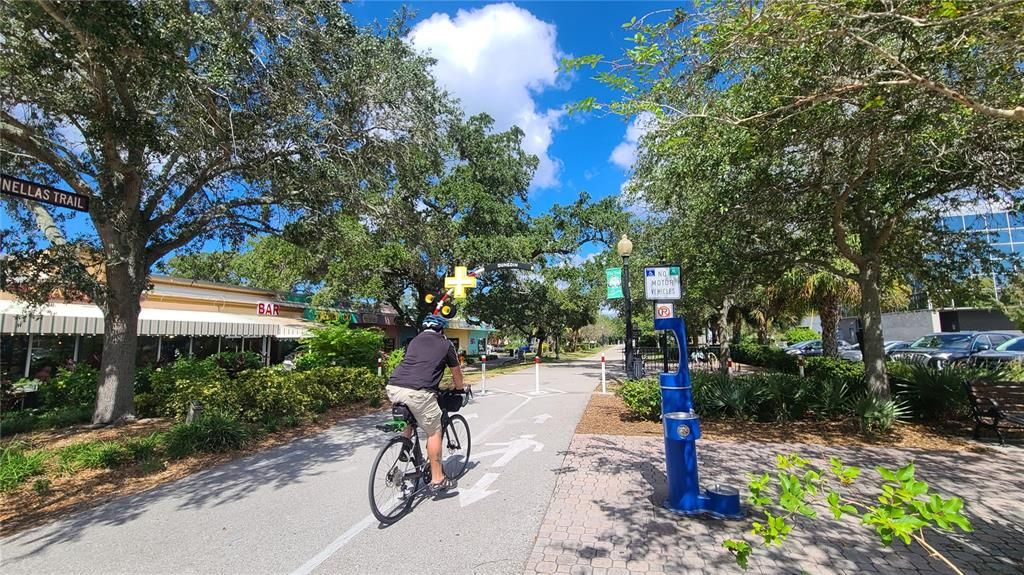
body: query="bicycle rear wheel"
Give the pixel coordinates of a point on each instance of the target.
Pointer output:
(455, 444)
(391, 490)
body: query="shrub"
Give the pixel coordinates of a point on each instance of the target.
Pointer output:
(17, 422)
(642, 397)
(783, 397)
(342, 346)
(879, 415)
(71, 388)
(64, 416)
(92, 455)
(17, 465)
(41, 487)
(268, 393)
(395, 357)
(799, 334)
(765, 356)
(209, 433)
(740, 396)
(831, 398)
(933, 394)
(235, 362)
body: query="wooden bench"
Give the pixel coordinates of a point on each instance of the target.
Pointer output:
(996, 405)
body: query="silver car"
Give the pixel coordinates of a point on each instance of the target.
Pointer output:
(853, 352)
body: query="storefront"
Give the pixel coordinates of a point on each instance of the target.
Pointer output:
(178, 318)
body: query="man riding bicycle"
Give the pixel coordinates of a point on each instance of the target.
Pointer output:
(415, 383)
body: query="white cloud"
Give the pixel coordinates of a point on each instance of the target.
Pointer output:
(495, 59)
(624, 154)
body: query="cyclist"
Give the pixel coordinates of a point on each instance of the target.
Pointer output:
(415, 383)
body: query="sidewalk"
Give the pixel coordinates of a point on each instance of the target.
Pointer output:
(605, 516)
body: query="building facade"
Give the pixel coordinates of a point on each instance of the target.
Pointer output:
(181, 318)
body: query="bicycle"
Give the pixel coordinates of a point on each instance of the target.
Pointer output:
(401, 472)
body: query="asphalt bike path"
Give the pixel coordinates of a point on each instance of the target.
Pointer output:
(302, 507)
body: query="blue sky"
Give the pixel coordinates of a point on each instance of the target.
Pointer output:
(501, 58)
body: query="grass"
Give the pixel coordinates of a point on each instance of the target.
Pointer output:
(23, 421)
(17, 465)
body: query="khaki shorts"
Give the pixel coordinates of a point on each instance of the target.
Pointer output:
(423, 405)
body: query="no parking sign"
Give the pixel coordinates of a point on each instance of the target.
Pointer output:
(664, 310)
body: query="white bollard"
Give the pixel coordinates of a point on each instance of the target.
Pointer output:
(536, 370)
(483, 376)
(380, 366)
(603, 389)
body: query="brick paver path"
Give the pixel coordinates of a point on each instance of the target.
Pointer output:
(606, 518)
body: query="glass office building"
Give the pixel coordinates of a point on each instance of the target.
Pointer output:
(1003, 229)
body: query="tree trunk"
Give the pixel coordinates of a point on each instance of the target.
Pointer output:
(737, 327)
(829, 312)
(763, 330)
(115, 395)
(558, 346)
(871, 319)
(723, 333)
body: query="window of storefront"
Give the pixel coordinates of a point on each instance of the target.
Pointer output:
(13, 349)
(204, 346)
(173, 348)
(50, 352)
(90, 349)
(146, 354)
(230, 343)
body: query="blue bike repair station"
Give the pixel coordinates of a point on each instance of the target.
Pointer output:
(663, 285)
(682, 430)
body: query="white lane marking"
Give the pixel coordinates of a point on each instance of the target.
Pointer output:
(542, 418)
(512, 449)
(478, 491)
(369, 520)
(335, 545)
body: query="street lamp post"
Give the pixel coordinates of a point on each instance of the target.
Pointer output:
(625, 248)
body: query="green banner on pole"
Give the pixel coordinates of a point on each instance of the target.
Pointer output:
(614, 276)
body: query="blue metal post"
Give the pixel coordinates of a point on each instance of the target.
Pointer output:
(682, 430)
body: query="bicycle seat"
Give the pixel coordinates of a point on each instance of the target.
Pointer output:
(401, 411)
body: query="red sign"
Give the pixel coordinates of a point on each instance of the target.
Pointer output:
(268, 309)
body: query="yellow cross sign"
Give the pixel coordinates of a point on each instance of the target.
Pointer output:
(460, 282)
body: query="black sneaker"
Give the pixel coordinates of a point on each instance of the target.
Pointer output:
(436, 488)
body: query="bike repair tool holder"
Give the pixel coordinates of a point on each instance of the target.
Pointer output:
(682, 430)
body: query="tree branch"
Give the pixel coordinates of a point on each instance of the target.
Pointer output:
(26, 139)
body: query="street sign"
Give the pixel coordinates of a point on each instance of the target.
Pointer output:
(27, 190)
(663, 283)
(460, 282)
(664, 310)
(614, 277)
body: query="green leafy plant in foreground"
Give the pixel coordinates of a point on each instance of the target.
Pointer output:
(906, 509)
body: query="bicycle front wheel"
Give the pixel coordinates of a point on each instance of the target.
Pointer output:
(455, 444)
(392, 481)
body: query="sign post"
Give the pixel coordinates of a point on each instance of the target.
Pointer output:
(483, 374)
(604, 390)
(536, 374)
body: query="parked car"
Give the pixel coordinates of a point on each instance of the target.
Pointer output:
(813, 348)
(945, 348)
(853, 352)
(1009, 352)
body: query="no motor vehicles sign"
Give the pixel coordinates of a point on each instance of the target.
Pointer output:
(663, 283)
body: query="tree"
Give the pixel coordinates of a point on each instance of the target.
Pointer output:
(463, 203)
(861, 175)
(268, 262)
(188, 121)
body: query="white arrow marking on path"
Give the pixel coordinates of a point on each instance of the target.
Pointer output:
(511, 449)
(478, 491)
(542, 418)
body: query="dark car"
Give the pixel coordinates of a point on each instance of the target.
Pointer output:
(813, 348)
(941, 349)
(1009, 352)
(853, 352)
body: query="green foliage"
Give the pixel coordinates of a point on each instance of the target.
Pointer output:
(17, 465)
(877, 416)
(905, 505)
(341, 345)
(934, 394)
(210, 433)
(71, 388)
(235, 362)
(393, 359)
(764, 356)
(642, 397)
(14, 422)
(799, 334)
(41, 487)
(30, 420)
